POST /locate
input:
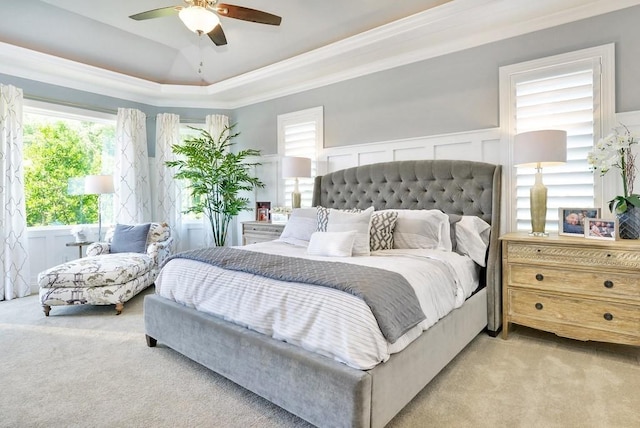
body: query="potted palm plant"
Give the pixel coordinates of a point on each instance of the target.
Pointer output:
(216, 177)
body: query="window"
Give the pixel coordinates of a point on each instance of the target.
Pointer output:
(62, 145)
(301, 134)
(571, 92)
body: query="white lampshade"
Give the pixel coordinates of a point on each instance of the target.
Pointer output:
(199, 19)
(98, 184)
(536, 149)
(294, 167)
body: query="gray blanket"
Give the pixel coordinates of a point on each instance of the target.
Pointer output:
(391, 298)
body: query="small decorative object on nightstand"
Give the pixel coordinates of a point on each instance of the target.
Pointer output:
(574, 287)
(260, 231)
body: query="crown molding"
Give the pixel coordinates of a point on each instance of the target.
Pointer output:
(451, 27)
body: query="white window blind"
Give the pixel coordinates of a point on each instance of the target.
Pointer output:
(300, 134)
(564, 97)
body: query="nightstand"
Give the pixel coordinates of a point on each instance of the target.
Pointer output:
(579, 288)
(260, 231)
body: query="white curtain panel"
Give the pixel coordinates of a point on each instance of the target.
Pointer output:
(14, 255)
(215, 124)
(132, 203)
(168, 202)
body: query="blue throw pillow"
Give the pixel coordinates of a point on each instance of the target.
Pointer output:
(130, 239)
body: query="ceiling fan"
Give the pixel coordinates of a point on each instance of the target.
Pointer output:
(203, 16)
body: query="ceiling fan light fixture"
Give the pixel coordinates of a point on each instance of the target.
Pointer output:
(199, 19)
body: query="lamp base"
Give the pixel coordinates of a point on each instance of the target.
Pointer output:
(538, 200)
(296, 199)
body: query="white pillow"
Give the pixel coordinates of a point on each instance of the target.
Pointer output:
(300, 226)
(428, 229)
(472, 237)
(331, 244)
(323, 216)
(341, 221)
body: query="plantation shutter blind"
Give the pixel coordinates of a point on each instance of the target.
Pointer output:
(300, 140)
(564, 97)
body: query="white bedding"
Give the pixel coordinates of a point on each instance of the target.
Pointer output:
(323, 320)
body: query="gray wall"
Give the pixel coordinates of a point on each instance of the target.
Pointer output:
(452, 93)
(90, 101)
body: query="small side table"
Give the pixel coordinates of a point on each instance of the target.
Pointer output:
(79, 245)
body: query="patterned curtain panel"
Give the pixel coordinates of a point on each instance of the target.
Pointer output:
(215, 124)
(169, 202)
(131, 178)
(14, 257)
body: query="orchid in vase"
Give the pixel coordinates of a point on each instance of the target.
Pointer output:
(616, 151)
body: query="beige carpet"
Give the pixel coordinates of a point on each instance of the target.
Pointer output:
(86, 367)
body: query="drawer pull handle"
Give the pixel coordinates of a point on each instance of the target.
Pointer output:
(539, 276)
(608, 284)
(608, 255)
(608, 316)
(539, 306)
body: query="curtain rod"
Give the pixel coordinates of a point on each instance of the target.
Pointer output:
(70, 104)
(98, 108)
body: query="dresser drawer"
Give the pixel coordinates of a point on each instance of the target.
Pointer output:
(264, 229)
(253, 239)
(259, 231)
(528, 306)
(601, 284)
(571, 256)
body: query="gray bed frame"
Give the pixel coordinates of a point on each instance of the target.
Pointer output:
(324, 392)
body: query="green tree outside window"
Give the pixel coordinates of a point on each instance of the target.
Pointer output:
(56, 151)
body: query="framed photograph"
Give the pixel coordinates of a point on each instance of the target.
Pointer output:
(263, 211)
(599, 228)
(571, 220)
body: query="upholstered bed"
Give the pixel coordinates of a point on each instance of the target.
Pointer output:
(322, 390)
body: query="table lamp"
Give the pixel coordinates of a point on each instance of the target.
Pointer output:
(294, 167)
(537, 149)
(98, 185)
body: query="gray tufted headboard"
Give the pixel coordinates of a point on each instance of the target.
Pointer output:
(452, 186)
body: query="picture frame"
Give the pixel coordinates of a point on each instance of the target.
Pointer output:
(571, 220)
(263, 211)
(600, 228)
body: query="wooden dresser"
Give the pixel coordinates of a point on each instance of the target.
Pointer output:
(260, 231)
(579, 288)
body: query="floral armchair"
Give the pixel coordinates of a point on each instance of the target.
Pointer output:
(113, 272)
(159, 244)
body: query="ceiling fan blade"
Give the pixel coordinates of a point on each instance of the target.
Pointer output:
(217, 36)
(246, 14)
(157, 13)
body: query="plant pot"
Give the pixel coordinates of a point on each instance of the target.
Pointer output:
(629, 223)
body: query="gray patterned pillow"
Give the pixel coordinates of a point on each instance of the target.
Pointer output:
(381, 231)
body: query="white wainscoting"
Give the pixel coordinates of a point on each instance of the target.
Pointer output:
(482, 146)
